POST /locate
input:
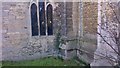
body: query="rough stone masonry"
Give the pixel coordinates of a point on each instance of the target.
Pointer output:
(17, 40)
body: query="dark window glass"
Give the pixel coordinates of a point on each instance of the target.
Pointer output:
(42, 18)
(34, 21)
(49, 20)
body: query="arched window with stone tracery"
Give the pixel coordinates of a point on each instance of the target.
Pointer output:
(45, 14)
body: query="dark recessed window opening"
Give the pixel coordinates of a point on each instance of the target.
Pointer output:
(42, 18)
(49, 20)
(34, 21)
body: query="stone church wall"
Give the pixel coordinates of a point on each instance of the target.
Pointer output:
(89, 39)
(17, 41)
(14, 28)
(19, 44)
(16, 34)
(106, 53)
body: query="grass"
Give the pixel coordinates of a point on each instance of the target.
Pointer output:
(49, 61)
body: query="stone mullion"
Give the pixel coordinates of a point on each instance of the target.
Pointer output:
(38, 17)
(46, 17)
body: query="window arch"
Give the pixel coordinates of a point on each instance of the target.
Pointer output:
(34, 20)
(49, 19)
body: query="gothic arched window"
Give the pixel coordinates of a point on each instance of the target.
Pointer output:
(49, 20)
(45, 19)
(34, 21)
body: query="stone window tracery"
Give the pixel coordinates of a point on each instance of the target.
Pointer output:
(41, 21)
